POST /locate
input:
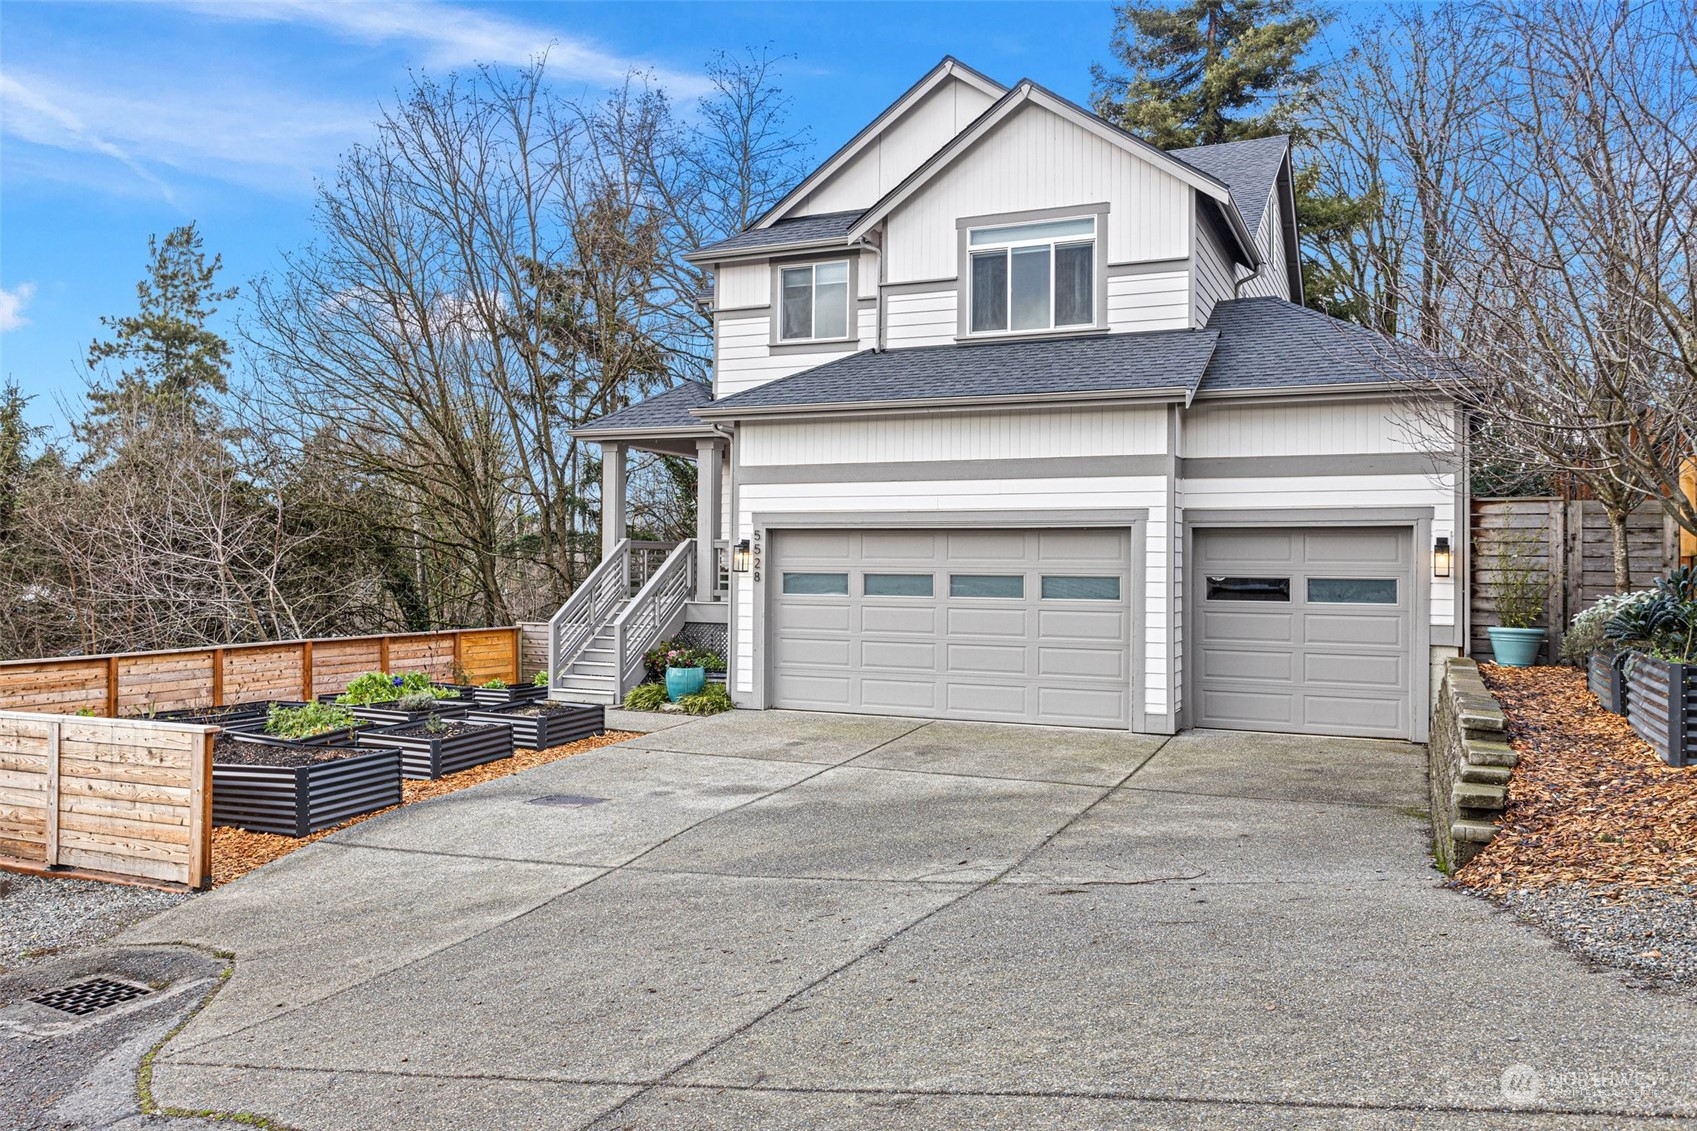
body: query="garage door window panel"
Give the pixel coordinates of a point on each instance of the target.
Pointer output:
(816, 584)
(1249, 589)
(1352, 591)
(1062, 588)
(897, 585)
(987, 585)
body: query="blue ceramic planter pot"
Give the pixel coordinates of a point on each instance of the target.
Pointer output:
(1516, 647)
(684, 681)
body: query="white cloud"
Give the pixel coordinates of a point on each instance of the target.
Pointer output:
(12, 303)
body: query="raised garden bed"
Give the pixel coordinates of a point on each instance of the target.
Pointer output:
(458, 745)
(538, 726)
(230, 715)
(1661, 705)
(502, 696)
(1607, 681)
(393, 716)
(267, 785)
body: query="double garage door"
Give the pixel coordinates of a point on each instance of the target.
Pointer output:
(1307, 631)
(1004, 625)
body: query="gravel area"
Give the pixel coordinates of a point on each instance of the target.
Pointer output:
(41, 917)
(1649, 932)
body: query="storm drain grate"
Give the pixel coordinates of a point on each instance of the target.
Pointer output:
(566, 800)
(90, 996)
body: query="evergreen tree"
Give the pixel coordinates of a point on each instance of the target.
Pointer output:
(16, 435)
(1211, 71)
(171, 360)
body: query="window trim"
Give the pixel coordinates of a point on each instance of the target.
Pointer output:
(1096, 241)
(851, 300)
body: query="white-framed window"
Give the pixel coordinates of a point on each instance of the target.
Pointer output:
(813, 302)
(1036, 276)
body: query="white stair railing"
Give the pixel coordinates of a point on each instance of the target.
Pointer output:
(655, 608)
(587, 611)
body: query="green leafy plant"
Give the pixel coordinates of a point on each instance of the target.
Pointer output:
(381, 687)
(416, 701)
(1664, 623)
(646, 697)
(541, 679)
(1521, 587)
(1588, 632)
(435, 724)
(308, 720)
(85, 712)
(497, 685)
(710, 700)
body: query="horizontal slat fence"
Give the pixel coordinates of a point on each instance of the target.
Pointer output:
(135, 683)
(533, 649)
(1571, 545)
(121, 797)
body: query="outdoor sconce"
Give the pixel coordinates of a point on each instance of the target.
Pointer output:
(740, 556)
(1441, 557)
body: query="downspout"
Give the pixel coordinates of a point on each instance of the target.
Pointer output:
(878, 341)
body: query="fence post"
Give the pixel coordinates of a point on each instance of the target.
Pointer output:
(306, 670)
(217, 677)
(200, 818)
(383, 653)
(458, 638)
(518, 655)
(111, 687)
(51, 848)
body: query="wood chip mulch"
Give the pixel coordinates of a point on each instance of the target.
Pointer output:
(1590, 804)
(236, 853)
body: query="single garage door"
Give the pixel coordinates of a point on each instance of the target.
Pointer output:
(1307, 631)
(1012, 625)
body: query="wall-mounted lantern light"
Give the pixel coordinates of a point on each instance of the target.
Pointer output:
(1441, 557)
(740, 557)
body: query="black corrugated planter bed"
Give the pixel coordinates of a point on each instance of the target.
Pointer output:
(458, 745)
(537, 726)
(389, 715)
(271, 786)
(1607, 681)
(341, 736)
(1661, 705)
(502, 696)
(230, 715)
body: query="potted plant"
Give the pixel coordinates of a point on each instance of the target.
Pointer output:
(1520, 590)
(686, 674)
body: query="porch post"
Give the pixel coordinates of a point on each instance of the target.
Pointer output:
(707, 473)
(612, 497)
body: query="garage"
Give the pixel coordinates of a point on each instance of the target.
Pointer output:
(1000, 625)
(1302, 630)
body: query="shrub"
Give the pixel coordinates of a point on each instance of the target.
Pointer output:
(1664, 622)
(710, 700)
(497, 685)
(677, 654)
(1588, 632)
(646, 697)
(1521, 586)
(541, 679)
(416, 701)
(308, 720)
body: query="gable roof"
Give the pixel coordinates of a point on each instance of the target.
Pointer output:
(667, 412)
(1027, 92)
(1160, 365)
(948, 68)
(828, 229)
(1271, 345)
(1249, 168)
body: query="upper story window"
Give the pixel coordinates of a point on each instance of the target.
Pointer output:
(814, 303)
(1037, 276)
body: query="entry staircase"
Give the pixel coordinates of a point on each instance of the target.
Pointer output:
(598, 639)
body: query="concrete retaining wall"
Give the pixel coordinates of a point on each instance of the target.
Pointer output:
(1470, 761)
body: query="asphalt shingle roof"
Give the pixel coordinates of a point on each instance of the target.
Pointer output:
(669, 409)
(1169, 359)
(800, 229)
(1248, 168)
(1268, 343)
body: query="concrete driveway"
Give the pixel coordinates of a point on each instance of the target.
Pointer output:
(795, 920)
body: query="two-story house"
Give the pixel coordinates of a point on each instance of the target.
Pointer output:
(1016, 417)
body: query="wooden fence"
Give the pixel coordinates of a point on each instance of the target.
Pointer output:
(1570, 543)
(106, 797)
(533, 649)
(135, 683)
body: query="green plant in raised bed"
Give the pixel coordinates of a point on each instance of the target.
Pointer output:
(1664, 624)
(435, 724)
(416, 701)
(710, 700)
(1588, 632)
(496, 685)
(381, 687)
(646, 697)
(308, 720)
(541, 679)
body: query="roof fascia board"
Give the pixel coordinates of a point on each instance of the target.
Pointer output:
(949, 68)
(1348, 391)
(1162, 395)
(1284, 186)
(765, 251)
(590, 432)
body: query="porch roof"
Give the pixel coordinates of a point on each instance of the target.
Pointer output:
(661, 423)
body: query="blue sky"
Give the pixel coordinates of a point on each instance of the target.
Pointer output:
(118, 120)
